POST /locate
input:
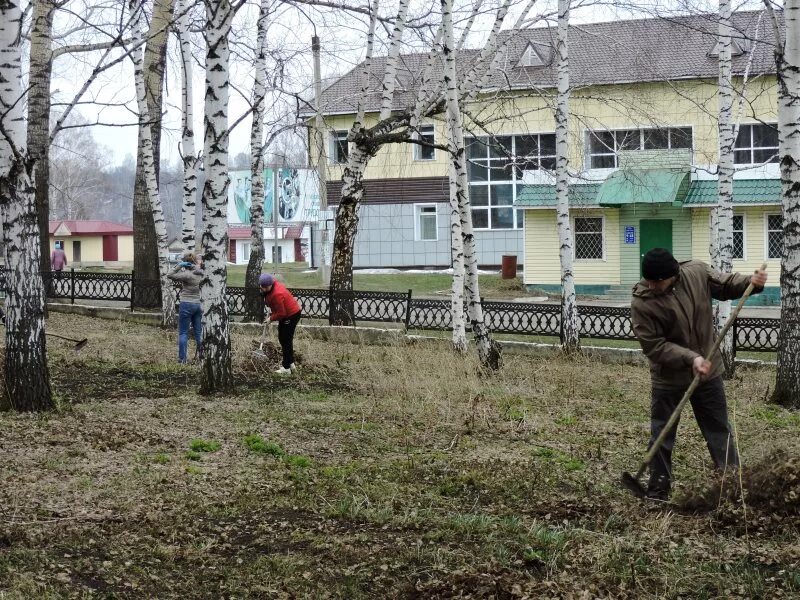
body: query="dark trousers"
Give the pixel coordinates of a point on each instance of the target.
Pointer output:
(286, 329)
(711, 411)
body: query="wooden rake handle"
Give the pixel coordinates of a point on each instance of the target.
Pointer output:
(648, 458)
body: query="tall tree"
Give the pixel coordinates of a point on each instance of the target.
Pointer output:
(191, 161)
(787, 59)
(569, 307)
(40, 74)
(145, 239)
(146, 164)
(722, 214)
(217, 371)
(488, 350)
(27, 379)
(257, 163)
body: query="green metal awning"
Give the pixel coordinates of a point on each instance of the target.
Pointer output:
(645, 186)
(544, 195)
(745, 191)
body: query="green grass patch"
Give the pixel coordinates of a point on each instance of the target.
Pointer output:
(200, 445)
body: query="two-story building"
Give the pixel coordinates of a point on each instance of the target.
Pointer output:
(643, 137)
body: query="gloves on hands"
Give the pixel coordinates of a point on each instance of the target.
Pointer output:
(185, 264)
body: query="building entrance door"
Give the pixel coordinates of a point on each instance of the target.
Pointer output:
(654, 233)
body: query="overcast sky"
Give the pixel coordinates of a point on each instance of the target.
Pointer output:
(291, 30)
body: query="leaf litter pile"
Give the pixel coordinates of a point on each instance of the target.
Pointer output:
(378, 471)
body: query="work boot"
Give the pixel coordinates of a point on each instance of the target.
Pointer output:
(658, 487)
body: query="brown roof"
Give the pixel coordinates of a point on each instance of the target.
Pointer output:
(638, 50)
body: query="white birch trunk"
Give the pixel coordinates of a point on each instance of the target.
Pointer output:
(458, 320)
(256, 260)
(149, 169)
(27, 380)
(189, 154)
(722, 220)
(488, 350)
(570, 330)
(217, 372)
(787, 381)
(390, 72)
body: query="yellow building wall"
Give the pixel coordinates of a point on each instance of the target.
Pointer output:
(92, 248)
(640, 105)
(755, 234)
(542, 247)
(125, 248)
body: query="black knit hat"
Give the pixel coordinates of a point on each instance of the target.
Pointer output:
(659, 264)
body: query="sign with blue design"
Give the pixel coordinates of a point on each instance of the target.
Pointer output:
(630, 234)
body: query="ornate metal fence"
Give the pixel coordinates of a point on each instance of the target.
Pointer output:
(601, 322)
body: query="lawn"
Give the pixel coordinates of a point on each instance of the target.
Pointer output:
(378, 472)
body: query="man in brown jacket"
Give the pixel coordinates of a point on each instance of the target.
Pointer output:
(672, 318)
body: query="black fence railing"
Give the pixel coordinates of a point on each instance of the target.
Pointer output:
(599, 322)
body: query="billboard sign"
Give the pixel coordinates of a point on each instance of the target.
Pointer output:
(298, 196)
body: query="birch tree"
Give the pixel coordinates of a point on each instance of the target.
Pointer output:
(787, 60)
(721, 249)
(146, 162)
(570, 330)
(363, 146)
(40, 74)
(257, 162)
(217, 371)
(27, 379)
(146, 258)
(488, 351)
(189, 156)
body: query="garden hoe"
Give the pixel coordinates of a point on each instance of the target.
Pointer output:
(260, 352)
(79, 344)
(631, 482)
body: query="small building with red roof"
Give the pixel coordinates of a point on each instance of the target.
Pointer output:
(93, 243)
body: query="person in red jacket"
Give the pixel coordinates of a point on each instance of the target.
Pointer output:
(286, 311)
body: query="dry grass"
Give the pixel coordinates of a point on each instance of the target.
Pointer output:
(379, 471)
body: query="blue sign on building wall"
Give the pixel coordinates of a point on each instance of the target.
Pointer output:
(630, 234)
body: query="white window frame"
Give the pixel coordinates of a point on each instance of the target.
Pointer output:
(642, 130)
(333, 140)
(418, 221)
(752, 148)
(744, 236)
(246, 249)
(518, 214)
(416, 149)
(766, 234)
(602, 237)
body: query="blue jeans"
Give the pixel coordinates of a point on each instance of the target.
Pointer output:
(189, 313)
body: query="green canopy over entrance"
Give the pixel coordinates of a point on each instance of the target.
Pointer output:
(647, 186)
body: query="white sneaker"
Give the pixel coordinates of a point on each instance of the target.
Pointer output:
(283, 371)
(293, 367)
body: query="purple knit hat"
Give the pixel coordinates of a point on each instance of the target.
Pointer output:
(266, 279)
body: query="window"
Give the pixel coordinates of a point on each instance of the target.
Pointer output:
(774, 236)
(425, 135)
(738, 237)
(495, 166)
(339, 147)
(604, 146)
(427, 225)
(530, 58)
(589, 238)
(756, 144)
(245, 251)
